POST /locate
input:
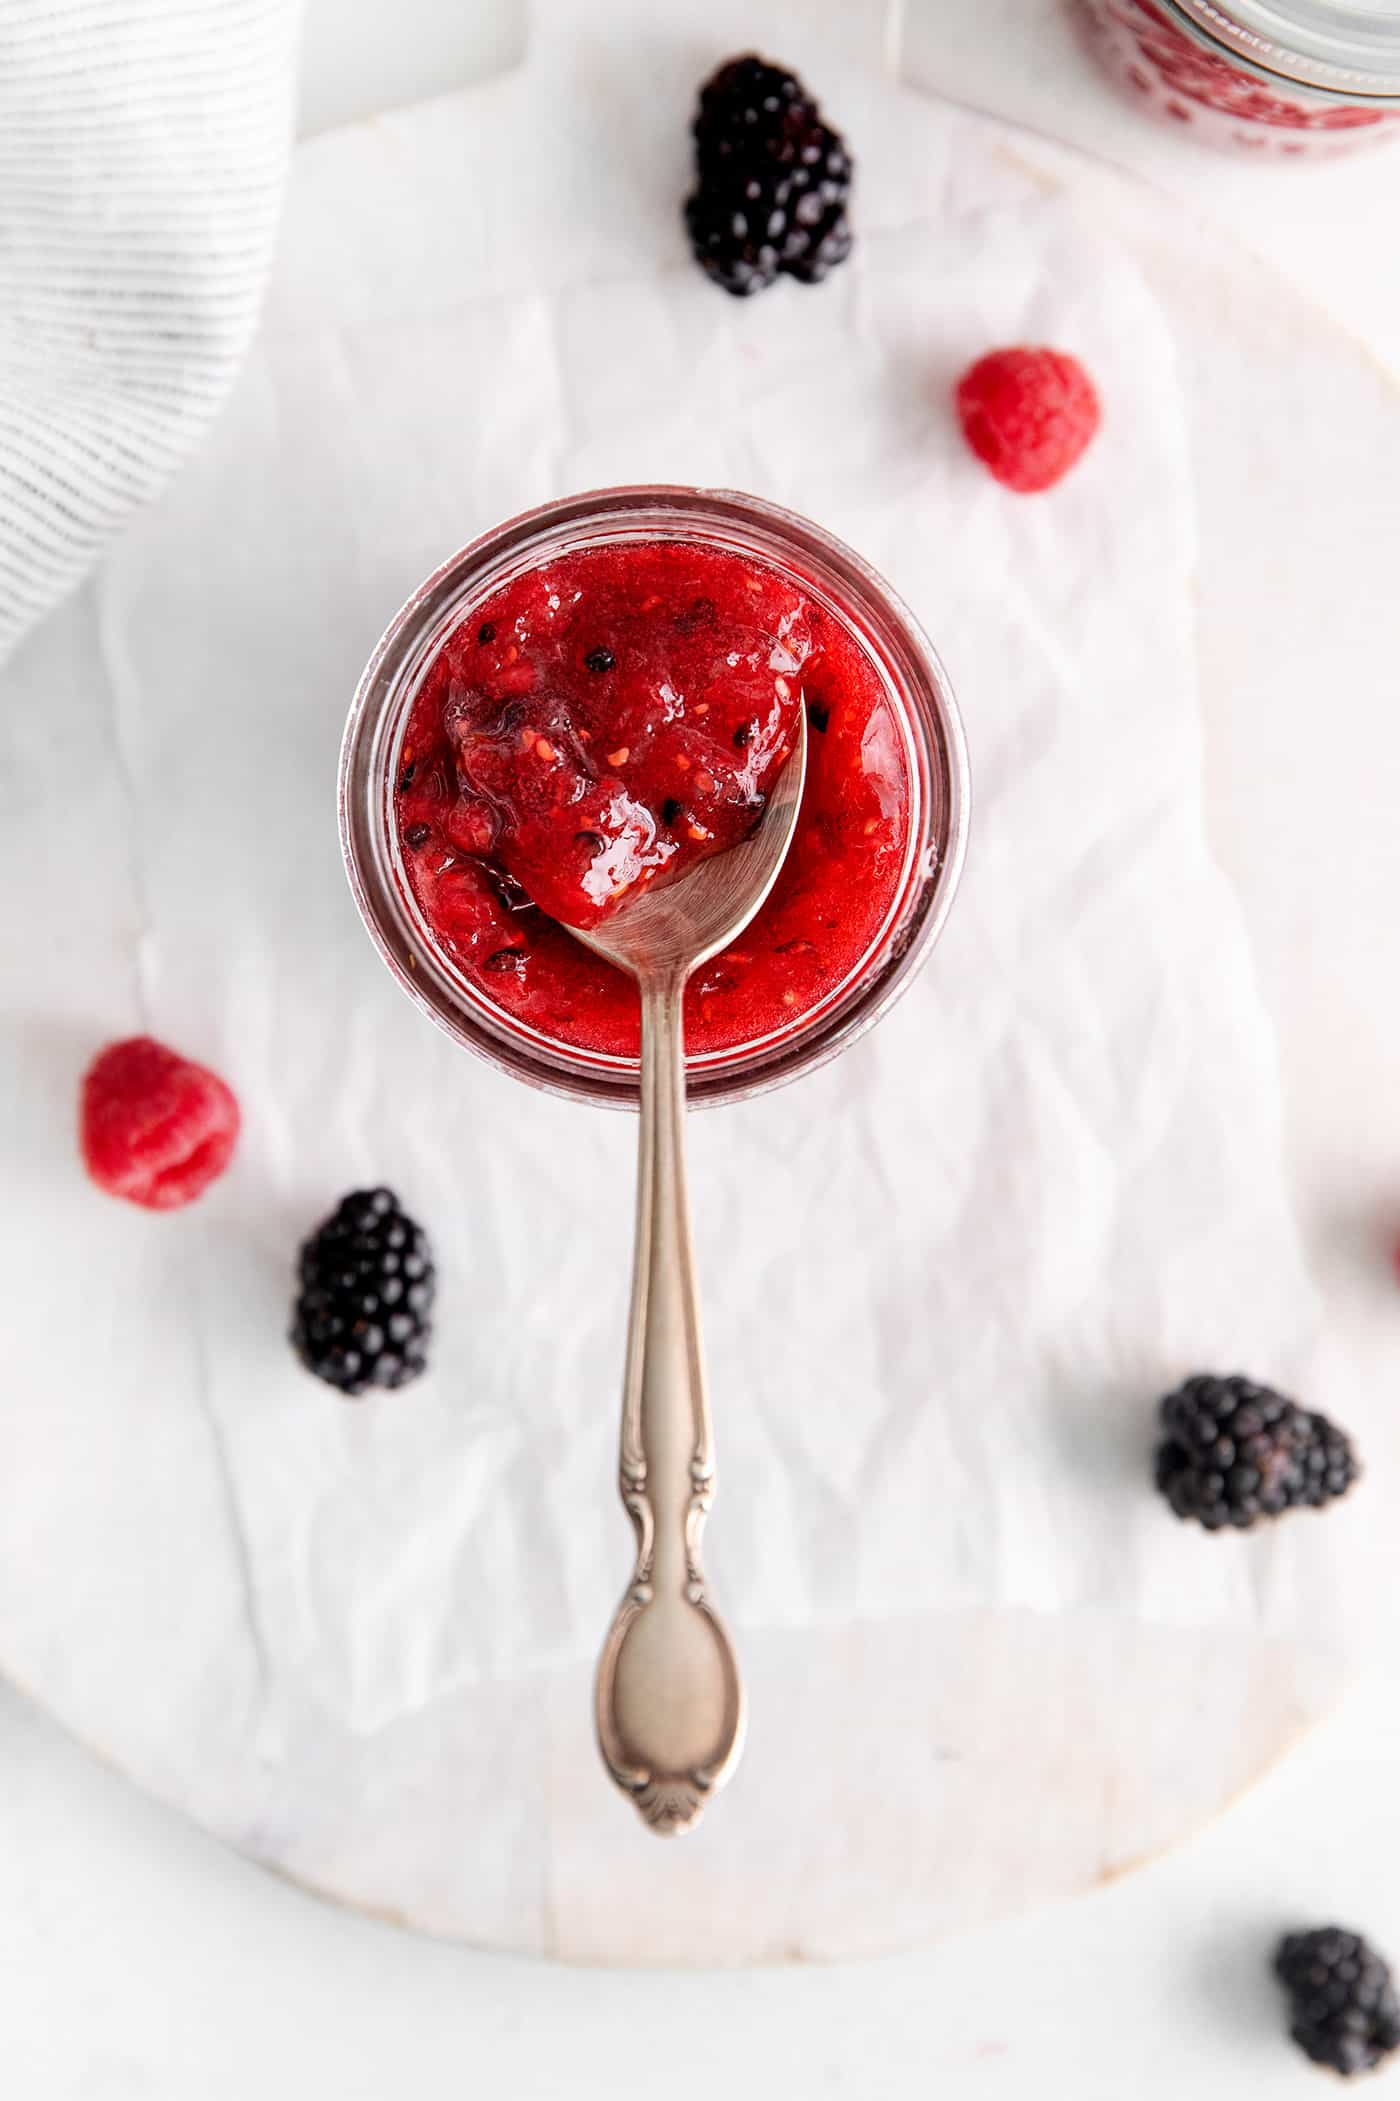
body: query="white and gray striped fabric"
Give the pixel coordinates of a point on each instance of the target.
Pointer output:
(143, 148)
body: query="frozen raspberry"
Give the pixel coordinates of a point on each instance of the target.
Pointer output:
(155, 1128)
(1028, 414)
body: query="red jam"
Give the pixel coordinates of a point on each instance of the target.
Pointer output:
(605, 720)
(1225, 104)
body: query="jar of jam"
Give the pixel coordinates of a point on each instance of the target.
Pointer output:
(1288, 77)
(593, 694)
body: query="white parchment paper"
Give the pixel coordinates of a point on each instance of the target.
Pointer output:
(945, 1278)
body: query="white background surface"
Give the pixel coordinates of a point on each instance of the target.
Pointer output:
(139, 1960)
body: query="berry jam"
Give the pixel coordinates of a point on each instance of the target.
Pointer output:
(1224, 104)
(605, 720)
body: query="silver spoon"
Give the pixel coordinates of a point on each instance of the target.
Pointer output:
(670, 1704)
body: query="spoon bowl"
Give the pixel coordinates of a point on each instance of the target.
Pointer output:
(679, 925)
(669, 1699)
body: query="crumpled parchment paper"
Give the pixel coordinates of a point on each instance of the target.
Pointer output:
(945, 1279)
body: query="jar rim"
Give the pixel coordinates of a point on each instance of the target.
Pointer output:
(915, 679)
(1348, 52)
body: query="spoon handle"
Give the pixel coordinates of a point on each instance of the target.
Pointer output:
(670, 1704)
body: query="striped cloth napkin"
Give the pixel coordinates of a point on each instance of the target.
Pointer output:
(143, 149)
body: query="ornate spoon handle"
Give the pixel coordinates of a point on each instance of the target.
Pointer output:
(670, 1704)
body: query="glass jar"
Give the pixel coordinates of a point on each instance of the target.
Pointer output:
(1261, 76)
(916, 686)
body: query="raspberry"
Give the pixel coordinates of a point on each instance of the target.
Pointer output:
(155, 1128)
(1028, 415)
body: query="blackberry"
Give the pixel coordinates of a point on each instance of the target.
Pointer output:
(1233, 1452)
(1343, 2005)
(772, 181)
(362, 1315)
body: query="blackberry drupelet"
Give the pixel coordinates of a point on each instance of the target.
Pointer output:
(772, 181)
(362, 1315)
(1233, 1452)
(1342, 2001)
